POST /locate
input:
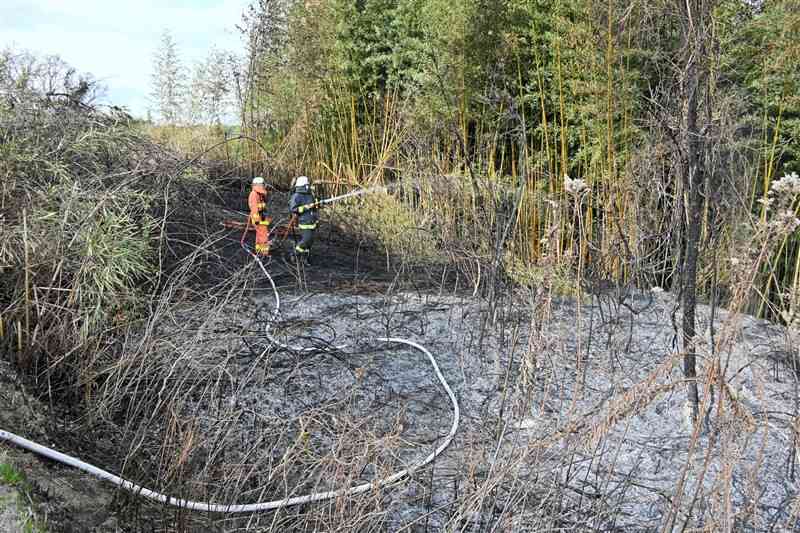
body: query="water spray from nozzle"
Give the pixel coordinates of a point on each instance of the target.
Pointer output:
(357, 192)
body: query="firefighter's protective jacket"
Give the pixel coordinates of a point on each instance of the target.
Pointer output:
(302, 204)
(257, 202)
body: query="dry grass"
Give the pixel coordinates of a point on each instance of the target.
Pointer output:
(119, 303)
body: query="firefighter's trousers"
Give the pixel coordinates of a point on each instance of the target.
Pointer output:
(262, 238)
(303, 246)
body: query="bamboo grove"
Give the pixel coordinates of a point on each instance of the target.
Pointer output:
(560, 115)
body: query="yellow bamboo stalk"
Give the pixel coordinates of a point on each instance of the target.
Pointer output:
(616, 203)
(564, 163)
(764, 121)
(770, 167)
(354, 138)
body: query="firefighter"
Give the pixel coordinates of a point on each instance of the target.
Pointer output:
(305, 213)
(257, 202)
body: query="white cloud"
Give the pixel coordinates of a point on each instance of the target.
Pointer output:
(115, 40)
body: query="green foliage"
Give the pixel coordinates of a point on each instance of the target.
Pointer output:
(10, 475)
(379, 44)
(80, 252)
(760, 57)
(69, 228)
(105, 242)
(491, 91)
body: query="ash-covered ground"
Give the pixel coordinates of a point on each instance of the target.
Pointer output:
(572, 416)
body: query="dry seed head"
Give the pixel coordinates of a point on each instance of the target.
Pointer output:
(784, 222)
(788, 185)
(766, 202)
(574, 186)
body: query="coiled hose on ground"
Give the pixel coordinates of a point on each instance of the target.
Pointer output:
(260, 506)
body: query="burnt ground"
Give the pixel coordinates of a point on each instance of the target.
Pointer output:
(344, 259)
(572, 418)
(573, 415)
(344, 253)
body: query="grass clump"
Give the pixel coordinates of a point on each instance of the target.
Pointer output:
(89, 229)
(9, 475)
(77, 239)
(18, 503)
(558, 277)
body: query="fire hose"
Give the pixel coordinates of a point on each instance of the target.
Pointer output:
(144, 492)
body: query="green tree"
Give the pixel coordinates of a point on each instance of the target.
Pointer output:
(379, 44)
(761, 53)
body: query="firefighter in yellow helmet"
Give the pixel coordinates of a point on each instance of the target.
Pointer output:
(257, 202)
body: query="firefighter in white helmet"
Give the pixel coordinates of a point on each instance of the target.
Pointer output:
(257, 202)
(304, 208)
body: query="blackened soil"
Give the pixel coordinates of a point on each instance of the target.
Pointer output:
(343, 256)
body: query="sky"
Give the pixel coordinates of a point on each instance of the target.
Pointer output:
(115, 39)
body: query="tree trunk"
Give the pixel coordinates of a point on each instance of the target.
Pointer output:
(694, 211)
(694, 82)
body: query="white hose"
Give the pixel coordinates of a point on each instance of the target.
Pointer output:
(276, 313)
(262, 506)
